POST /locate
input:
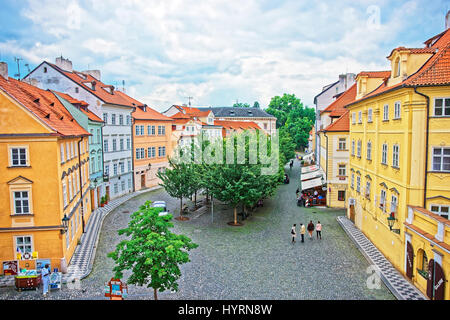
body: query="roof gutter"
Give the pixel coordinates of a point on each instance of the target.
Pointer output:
(426, 145)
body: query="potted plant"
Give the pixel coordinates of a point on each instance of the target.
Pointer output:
(106, 199)
(102, 201)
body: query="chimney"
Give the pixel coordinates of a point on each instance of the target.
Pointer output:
(64, 64)
(34, 82)
(93, 73)
(447, 20)
(4, 70)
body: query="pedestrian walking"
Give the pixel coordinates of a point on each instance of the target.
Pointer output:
(45, 273)
(293, 233)
(302, 232)
(310, 229)
(291, 164)
(318, 230)
(297, 192)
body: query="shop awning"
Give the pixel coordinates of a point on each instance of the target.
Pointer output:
(311, 183)
(310, 169)
(308, 157)
(311, 175)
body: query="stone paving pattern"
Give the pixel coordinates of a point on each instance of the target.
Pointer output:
(255, 261)
(395, 281)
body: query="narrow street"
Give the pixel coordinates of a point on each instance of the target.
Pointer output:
(255, 261)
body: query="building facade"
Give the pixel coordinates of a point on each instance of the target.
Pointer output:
(94, 125)
(44, 155)
(400, 166)
(152, 133)
(112, 106)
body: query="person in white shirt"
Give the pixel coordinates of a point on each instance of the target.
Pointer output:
(45, 274)
(293, 233)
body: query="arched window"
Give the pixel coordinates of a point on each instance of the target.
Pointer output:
(397, 67)
(422, 263)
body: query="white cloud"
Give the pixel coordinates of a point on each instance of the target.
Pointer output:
(216, 51)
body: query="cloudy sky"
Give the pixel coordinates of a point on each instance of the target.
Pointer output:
(218, 52)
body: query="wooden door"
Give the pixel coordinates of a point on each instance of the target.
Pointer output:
(93, 206)
(352, 213)
(436, 281)
(409, 260)
(143, 180)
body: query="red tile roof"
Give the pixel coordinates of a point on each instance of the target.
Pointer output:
(340, 125)
(414, 50)
(180, 115)
(149, 114)
(101, 90)
(193, 112)
(44, 105)
(375, 74)
(337, 108)
(82, 106)
(243, 125)
(436, 71)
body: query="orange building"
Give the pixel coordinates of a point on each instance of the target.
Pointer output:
(44, 176)
(152, 133)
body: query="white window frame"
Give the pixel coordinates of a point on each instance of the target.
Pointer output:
(358, 183)
(369, 150)
(342, 143)
(17, 245)
(397, 110)
(342, 170)
(369, 115)
(439, 211)
(20, 164)
(396, 156)
(358, 149)
(384, 153)
(386, 112)
(353, 117)
(443, 107)
(382, 200)
(353, 147)
(21, 199)
(441, 156)
(360, 117)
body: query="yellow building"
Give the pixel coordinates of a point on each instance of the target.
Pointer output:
(400, 162)
(44, 176)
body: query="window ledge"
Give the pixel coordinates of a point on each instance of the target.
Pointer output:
(397, 119)
(17, 215)
(441, 172)
(341, 149)
(396, 168)
(11, 167)
(385, 120)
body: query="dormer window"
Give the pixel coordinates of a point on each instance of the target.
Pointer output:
(397, 67)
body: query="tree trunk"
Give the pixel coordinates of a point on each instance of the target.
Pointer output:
(195, 200)
(181, 206)
(155, 294)
(235, 215)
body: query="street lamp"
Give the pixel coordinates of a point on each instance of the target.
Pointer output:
(65, 224)
(391, 220)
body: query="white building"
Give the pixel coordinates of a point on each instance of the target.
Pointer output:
(112, 106)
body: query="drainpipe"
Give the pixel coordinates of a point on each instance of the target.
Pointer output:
(426, 145)
(132, 150)
(81, 184)
(103, 160)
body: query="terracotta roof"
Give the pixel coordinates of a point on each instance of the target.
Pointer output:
(44, 105)
(414, 50)
(341, 124)
(375, 74)
(337, 108)
(431, 214)
(83, 79)
(82, 106)
(148, 114)
(436, 71)
(428, 236)
(180, 115)
(244, 125)
(193, 112)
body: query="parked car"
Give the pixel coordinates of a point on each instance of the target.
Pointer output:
(160, 204)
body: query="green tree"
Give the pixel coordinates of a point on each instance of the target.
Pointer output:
(256, 105)
(153, 253)
(177, 182)
(241, 105)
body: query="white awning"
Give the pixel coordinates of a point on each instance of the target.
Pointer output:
(311, 183)
(311, 175)
(308, 157)
(310, 169)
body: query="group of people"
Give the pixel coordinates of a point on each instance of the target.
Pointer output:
(310, 227)
(306, 198)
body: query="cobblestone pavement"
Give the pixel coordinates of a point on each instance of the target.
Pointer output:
(398, 285)
(255, 261)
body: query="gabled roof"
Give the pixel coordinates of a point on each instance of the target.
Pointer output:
(44, 105)
(337, 108)
(82, 106)
(236, 125)
(434, 72)
(340, 125)
(375, 74)
(234, 112)
(102, 90)
(193, 112)
(325, 90)
(148, 114)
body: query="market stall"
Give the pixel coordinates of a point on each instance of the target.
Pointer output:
(308, 169)
(313, 192)
(27, 280)
(312, 175)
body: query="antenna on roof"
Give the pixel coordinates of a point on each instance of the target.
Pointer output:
(123, 86)
(18, 67)
(189, 98)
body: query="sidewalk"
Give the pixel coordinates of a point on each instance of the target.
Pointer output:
(80, 265)
(401, 288)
